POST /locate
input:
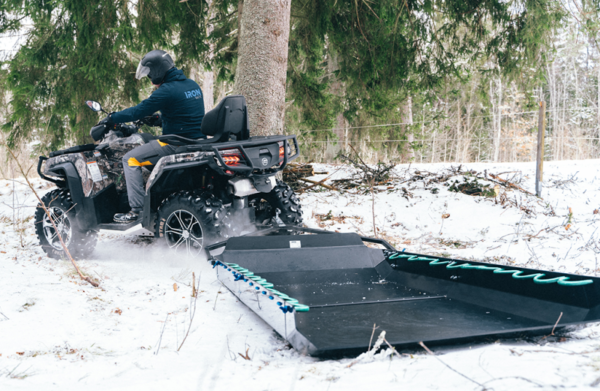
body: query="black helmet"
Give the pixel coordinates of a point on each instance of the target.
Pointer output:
(155, 65)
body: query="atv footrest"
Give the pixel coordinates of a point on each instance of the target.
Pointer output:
(119, 226)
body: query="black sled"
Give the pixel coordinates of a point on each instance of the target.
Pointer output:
(324, 292)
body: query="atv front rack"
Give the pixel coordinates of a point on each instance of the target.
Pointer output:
(323, 292)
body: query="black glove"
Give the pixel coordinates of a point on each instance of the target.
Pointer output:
(154, 120)
(99, 130)
(108, 122)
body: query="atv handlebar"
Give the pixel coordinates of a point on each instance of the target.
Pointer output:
(100, 130)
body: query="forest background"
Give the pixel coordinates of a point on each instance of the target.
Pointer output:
(397, 80)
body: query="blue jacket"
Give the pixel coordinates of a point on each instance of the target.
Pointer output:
(180, 102)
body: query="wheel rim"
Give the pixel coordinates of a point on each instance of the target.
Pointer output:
(183, 232)
(63, 224)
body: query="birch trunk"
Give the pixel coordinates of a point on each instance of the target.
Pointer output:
(262, 63)
(458, 132)
(468, 128)
(498, 118)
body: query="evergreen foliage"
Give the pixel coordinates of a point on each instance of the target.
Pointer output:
(361, 58)
(391, 48)
(79, 50)
(75, 51)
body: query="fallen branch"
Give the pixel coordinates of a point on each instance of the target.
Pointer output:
(318, 183)
(64, 246)
(161, 335)
(372, 333)
(247, 356)
(311, 186)
(393, 349)
(553, 328)
(367, 356)
(448, 366)
(508, 184)
(193, 301)
(515, 377)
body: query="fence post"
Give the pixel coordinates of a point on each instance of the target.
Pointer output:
(540, 150)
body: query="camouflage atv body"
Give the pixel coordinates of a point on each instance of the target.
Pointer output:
(208, 190)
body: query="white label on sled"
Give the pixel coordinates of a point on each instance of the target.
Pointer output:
(95, 171)
(295, 244)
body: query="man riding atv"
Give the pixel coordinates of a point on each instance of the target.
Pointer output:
(210, 179)
(180, 103)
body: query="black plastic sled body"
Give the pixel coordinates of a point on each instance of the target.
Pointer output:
(324, 293)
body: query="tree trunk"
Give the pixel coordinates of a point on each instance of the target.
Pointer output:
(458, 131)
(337, 89)
(208, 82)
(553, 111)
(262, 63)
(410, 137)
(498, 121)
(208, 90)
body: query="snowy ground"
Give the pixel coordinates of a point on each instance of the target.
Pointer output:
(59, 333)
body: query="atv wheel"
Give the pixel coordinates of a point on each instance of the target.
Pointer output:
(80, 243)
(281, 200)
(189, 222)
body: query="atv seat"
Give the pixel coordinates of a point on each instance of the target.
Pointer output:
(228, 120)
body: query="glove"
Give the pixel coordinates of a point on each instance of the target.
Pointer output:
(99, 130)
(154, 120)
(108, 122)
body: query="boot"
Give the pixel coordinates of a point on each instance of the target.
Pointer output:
(128, 217)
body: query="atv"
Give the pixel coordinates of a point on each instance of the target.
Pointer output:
(213, 188)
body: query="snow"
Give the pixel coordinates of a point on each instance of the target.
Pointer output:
(57, 332)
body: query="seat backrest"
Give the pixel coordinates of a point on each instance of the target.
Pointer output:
(228, 120)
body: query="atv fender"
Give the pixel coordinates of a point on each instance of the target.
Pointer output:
(58, 182)
(167, 163)
(84, 206)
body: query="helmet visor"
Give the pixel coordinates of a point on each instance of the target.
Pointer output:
(141, 71)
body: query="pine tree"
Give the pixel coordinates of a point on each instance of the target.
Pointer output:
(89, 50)
(262, 63)
(356, 61)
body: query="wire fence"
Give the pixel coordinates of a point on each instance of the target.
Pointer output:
(510, 137)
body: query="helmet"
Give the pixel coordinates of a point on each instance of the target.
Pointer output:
(155, 65)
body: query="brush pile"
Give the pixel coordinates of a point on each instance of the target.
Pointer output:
(295, 175)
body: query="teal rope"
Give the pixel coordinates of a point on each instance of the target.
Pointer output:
(516, 274)
(269, 286)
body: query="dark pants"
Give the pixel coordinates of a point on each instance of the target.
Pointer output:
(144, 155)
